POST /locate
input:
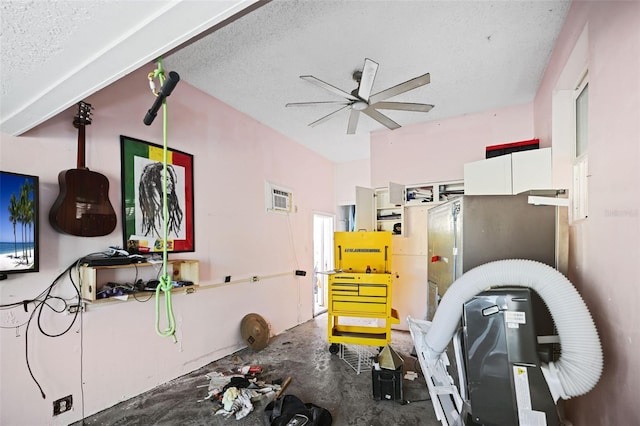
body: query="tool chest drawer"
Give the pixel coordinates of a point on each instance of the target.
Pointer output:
(359, 293)
(358, 307)
(339, 289)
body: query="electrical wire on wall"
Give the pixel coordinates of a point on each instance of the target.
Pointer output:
(165, 285)
(54, 303)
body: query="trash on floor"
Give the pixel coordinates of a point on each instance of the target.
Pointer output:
(411, 375)
(234, 393)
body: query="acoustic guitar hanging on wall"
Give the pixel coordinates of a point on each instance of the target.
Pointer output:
(83, 207)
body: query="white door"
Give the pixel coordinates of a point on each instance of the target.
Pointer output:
(322, 260)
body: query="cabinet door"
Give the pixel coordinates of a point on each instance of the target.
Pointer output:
(531, 170)
(409, 288)
(488, 177)
(365, 209)
(397, 194)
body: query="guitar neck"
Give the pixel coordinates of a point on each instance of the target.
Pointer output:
(81, 143)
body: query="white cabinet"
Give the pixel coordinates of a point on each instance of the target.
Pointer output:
(509, 174)
(380, 209)
(531, 170)
(488, 177)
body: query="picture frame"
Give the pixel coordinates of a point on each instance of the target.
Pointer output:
(142, 202)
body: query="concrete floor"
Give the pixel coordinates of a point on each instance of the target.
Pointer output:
(319, 377)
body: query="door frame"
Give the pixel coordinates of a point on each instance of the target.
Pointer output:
(323, 259)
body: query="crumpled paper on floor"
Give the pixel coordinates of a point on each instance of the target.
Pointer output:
(236, 401)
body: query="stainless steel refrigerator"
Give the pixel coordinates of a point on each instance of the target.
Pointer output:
(475, 229)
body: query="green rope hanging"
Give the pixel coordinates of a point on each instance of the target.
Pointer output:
(165, 286)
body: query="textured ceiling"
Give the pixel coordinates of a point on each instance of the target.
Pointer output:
(480, 54)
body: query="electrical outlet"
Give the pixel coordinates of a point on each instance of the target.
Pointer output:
(254, 279)
(62, 405)
(75, 308)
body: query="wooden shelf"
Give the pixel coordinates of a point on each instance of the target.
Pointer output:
(178, 269)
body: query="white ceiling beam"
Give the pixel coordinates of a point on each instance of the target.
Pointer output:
(159, 32)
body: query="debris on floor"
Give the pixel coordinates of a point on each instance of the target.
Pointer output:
(411, 375)
(234, 393)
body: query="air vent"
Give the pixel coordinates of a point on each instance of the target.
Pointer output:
(278, 198)
(281, 200)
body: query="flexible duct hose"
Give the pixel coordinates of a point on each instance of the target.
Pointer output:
(580, 364)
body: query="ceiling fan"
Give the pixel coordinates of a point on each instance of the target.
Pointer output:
(361, 99)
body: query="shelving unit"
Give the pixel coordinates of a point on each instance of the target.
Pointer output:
(389, 213)
(384, 209)
(432, 193)
(93, 278)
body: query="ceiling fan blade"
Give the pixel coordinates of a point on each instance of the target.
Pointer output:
(381, 118)
(328, 87)
(328, 116)
(366, 81)
(401, 88)
(403, 106)
(353, 122)
(304, 104)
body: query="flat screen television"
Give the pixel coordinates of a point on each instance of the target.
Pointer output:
(19, 223)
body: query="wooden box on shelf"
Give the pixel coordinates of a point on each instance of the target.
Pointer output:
(178, 270)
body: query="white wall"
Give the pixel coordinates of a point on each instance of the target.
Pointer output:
(122, 354)
(348, 175)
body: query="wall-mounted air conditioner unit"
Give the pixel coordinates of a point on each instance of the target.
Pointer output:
(278, 198)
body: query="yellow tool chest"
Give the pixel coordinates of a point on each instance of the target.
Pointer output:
(360, 287)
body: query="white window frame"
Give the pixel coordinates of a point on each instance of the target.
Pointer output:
(580, 193)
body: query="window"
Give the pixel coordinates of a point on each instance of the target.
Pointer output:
(581, 163)
(582, 110)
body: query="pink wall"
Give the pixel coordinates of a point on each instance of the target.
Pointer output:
(605, 248)
(348, 175)
(436, 151)
(122, 354)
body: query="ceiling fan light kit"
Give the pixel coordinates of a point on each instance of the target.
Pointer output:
(361, 99)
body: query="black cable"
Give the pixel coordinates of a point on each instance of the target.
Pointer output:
(38, 308)
(48, 296)
(135, 281)
(26, 353)
(82, 363)
(143, 300)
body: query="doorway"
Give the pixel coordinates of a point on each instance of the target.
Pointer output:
(322, 260)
